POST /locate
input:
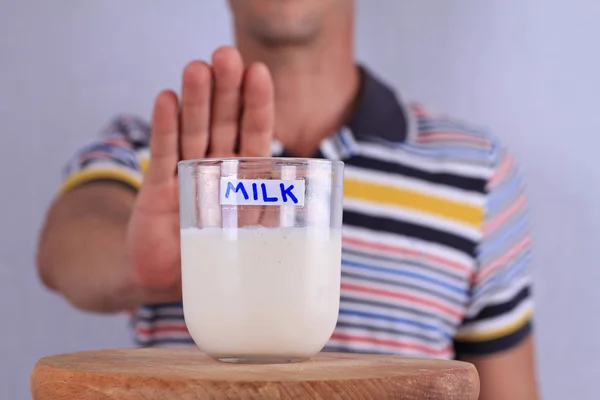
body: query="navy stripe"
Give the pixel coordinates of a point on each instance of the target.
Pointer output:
(163, 306)
(111, 181)
(497, 310)
(495, 345)
(163, 342)
(440, 178)
(407, 229)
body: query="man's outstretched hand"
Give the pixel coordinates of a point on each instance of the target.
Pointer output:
(223, 106)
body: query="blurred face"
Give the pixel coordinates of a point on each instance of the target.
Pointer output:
(281, 22)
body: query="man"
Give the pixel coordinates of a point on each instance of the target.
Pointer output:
(436, 246)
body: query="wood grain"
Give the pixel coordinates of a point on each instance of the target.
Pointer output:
(188, 374)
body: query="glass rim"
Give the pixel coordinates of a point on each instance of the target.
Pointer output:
(287, 160)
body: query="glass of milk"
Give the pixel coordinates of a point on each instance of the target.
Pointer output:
(261, 256)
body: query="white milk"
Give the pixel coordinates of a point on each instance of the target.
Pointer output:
(261, 292)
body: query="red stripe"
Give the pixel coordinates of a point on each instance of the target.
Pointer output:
(403, 296)
(434, 136)
(503, 259)
(407, 252)
(161, 329)
(118, 141)
(494, 223)
(419, 110)
(391, 343)
(96, 154)
(501, 171)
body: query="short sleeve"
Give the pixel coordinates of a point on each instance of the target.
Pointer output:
(500, 309)
(119, 155)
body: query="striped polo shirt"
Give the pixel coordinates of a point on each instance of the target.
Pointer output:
(436, 244)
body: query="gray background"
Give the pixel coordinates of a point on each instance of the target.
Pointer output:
(525, 68)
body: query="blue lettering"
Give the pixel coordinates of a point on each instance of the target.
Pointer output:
(239, 187)
(255, 191)
(287, 192)
(265, 196)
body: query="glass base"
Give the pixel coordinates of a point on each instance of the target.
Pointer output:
(260, 360)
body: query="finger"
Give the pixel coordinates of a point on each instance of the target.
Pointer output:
(228, 70)
(249, 215)
(258, 119)
(164, 141)
(195, 110)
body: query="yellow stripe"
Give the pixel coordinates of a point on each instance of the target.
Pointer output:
(407, 198)
(144, 163)
(498, 332)
(88, 175)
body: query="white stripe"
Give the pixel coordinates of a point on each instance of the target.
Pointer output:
(413, 216)
(276, 147)
(417, 185)
(403, 279)
(499, 322)
(419, 246)
(328, 149)
(143, 153)
(498, 294)
(510, 291)
(396, 155)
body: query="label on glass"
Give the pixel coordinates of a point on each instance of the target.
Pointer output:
(262, 192)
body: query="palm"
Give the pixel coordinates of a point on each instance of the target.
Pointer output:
(154, 235)
(209, 114)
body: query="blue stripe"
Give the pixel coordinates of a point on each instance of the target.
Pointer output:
(453, 288)
(509, 192)
(429, 124)
(409, 322)
(428, 150)
(505, 275)
(339, 349)
(344, 142)
(518, 229)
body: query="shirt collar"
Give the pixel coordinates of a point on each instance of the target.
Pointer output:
(378, 114)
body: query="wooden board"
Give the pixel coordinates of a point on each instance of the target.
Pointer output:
(187, 374)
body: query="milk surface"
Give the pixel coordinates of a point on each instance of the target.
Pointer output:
(260, 292)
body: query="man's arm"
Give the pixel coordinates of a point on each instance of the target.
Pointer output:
(496, 333)
(82, 249)
(507, 375)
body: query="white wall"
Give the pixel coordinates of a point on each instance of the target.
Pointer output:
(526, 68)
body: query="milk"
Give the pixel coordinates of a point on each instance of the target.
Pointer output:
(253, 293)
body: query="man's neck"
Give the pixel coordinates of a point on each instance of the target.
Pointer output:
(315, 88)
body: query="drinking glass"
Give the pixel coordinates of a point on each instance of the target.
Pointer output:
(261, 256)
